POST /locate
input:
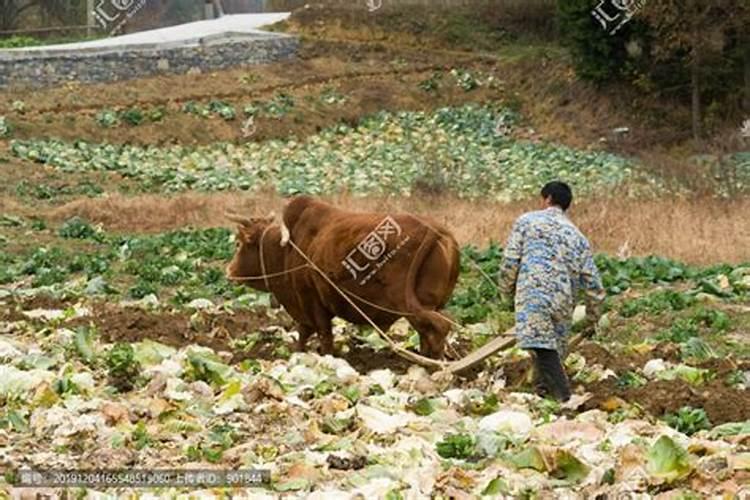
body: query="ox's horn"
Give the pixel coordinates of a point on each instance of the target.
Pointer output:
(285, 234)
(242, 221)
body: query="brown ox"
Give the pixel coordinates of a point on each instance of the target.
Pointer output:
(390, 266)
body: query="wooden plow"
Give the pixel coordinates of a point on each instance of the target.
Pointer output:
(499, 343)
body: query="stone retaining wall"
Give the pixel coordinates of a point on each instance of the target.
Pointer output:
(43, 68)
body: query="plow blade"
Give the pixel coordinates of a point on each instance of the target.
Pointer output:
(499, 343)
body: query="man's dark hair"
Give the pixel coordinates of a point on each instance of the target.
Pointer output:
(560, 193)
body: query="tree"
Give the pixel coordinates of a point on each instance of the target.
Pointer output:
(65, 12)
(698, 33)
(599, 55)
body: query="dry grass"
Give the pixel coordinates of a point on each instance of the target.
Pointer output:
(704, 231)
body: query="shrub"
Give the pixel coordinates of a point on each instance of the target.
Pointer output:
(688, 420)
(597, 55)
(5, 128)
(77, 228)
(132, 116)
(122, 366)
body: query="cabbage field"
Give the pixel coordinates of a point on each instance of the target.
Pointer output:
(461, 150)
(133, 352)
(124, 347)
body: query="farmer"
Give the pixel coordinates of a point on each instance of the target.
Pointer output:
(547, 261)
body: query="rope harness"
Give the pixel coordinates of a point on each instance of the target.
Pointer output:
(264, 275)
(262, 258)
(269, 275)
(404, 353)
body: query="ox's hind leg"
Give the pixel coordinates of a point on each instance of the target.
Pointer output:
(305, 331)
(433, 329)
(325, 335)
(324, 327)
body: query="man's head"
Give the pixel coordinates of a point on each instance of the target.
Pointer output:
(557, 194)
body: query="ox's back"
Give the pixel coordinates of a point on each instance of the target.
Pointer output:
(334, 239)
(391, 265)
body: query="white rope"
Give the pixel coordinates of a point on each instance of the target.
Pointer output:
(445, 366)
(269, 275)
(444, 316)
(265, 276)
(262, 259)
(417, 358)
(406, 314)
(471, 261)
(411, 356)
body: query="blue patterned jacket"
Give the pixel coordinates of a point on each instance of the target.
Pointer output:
(546, 263)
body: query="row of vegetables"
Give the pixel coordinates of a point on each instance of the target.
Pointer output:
(324, 430)
(461, 150)
(191, 258)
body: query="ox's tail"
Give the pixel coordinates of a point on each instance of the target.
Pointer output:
(423, 251)
(433, 327)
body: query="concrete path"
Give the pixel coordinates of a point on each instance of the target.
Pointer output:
(229, 25)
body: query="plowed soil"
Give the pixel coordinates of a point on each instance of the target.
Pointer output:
(721, 402)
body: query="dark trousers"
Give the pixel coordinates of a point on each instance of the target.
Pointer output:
(550, 373)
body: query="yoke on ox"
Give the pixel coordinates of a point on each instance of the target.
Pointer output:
(389, 266)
